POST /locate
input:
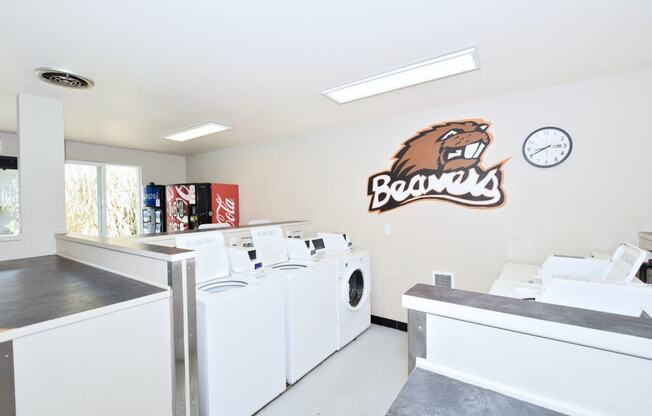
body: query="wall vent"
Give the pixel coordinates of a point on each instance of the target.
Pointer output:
(443, 279)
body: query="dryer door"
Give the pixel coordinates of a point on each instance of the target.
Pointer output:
(356, 288)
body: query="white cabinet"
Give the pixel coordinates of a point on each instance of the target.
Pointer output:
(118, 363)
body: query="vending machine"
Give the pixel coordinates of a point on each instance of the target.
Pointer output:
(153, 208)
(225, 204)
(188, 206)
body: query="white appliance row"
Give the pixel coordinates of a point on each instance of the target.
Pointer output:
(240, 332)
(336, 268)
(607, 285)
(353, 292)
(353, 273)
(266, 317)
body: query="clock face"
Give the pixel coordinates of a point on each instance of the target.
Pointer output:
(547, 147)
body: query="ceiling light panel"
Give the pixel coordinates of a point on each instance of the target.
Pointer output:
(430, 70)
(196, 131)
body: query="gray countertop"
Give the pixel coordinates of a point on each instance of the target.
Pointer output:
(246, 226)
(431, 394)
(40, 289)
(621, 324)
(127, 245)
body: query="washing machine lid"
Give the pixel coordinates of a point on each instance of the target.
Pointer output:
(216, 292)
(211, 257)
(269, 244)
(343, 255)
(290, 265)
(295, 268)
(222, 285)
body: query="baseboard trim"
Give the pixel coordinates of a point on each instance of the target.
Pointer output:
(389, 323)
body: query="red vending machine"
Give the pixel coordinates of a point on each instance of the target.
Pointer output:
(188, 206)
(225, 204)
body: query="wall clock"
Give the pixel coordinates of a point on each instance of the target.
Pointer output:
(547, 147)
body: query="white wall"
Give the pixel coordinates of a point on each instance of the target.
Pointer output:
(161, 168)
(156, 167)
(595, 199)
(41, 161)
(8, 144)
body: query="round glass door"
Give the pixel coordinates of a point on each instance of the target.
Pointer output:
(356, 288)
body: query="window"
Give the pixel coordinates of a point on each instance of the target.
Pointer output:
(102, 200)
(9, 202)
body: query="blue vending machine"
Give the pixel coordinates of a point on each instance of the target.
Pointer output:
(153, 208)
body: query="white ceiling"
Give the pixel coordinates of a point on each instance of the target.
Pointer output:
(259, 65)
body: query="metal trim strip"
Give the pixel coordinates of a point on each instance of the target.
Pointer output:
(7, 380)
(417, 331)
(185, 391)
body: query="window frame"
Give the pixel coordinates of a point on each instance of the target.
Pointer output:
(101, 193)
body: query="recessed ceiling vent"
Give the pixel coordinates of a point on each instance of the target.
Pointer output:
(63, 78)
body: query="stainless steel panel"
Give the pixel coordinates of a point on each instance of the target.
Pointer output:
(175, 281)
(7, 387)
(185, 392)
(191, 311)
(416, 337)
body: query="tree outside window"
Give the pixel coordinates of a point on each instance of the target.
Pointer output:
(102, 199)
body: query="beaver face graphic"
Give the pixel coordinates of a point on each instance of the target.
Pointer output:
(442, 148)
(441, 163)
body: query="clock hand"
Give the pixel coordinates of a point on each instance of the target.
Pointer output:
(540, 150)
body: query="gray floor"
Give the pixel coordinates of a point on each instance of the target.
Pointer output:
(361, 380)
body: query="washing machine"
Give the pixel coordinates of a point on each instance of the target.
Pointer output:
(310, 303)
(240, 332)
(353, 290)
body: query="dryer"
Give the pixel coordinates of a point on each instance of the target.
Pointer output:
(310, 302)
(240, 332)
(353, 289)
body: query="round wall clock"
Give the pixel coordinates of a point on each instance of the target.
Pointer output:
(547, 147)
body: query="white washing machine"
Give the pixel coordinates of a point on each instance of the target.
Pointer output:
(240, 332)
(353, 290)
(311, 315)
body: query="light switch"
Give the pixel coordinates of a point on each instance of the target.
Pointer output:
(388, 229)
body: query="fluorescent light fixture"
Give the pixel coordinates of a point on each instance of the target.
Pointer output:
(196, 131)
(430, 70)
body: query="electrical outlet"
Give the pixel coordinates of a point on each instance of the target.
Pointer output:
(388, 229)
(443, 279)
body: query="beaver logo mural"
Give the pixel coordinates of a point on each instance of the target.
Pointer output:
(441, 162)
